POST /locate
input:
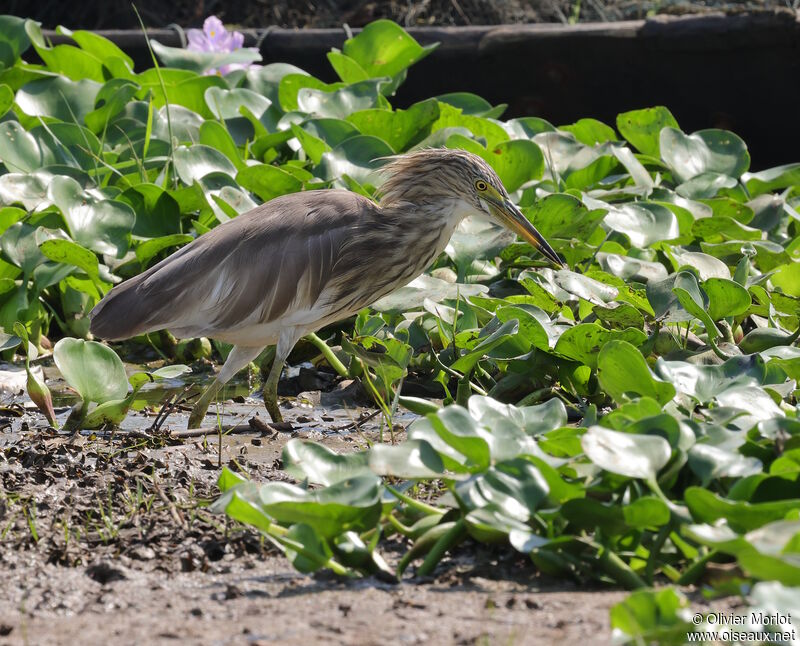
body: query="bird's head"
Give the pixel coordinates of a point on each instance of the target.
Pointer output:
(432, 175)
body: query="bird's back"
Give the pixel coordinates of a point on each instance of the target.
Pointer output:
(254, 268)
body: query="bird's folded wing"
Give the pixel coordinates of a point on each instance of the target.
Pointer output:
(274, 260)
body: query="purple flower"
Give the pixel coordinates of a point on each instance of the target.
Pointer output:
(215, 38)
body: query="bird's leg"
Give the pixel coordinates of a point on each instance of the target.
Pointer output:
(201, 405)
(286, 341)
(271, 391)
(238, 358)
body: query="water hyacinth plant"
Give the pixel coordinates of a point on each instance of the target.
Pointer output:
(214, 37)
(210, 51)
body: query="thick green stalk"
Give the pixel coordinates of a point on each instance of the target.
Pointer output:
(423, 507)
(329, 355)
(450, 539)
(620, 571)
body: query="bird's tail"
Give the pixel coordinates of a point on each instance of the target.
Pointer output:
(120, 314)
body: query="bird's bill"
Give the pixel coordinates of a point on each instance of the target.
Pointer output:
(514, 220)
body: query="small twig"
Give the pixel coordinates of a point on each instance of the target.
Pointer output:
(211, 430)
(173, 510)
(358, 423)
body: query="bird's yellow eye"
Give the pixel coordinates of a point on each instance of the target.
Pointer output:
(481, 185)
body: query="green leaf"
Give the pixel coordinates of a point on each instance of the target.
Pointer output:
(643, 127)
(180, 87)
(703, 383)
(19, 246)
(20, 151)
(584, 341)
(384, 48)
(664, 301)
(341, 102)
(72, 253)
(634, 456)
(516, 162)
(346, 68)
(227, 104)
(787, 278)
(315, 552)
(707, 266)
(726, 298)
(591, 131)
(772, 179)
(695, 302)
(214, 134)
(450, 117)
(424, 288)
(67, 60)
(95, 44)
(587, 514)
(305, 460)
(103, 226)
(267, 181)
(410, 460)
(563, 216)
(456, 437)
(706, 151)
(584, 287)
(58, 97)
(291, 84)
(357, 157)
(619, 316)
(313, 146)
(195, 162)
(623, 373)
(466, 362)
(643, 222)
(399, 128)
(470, 103)
(149, 248)
(742, 516)
(652, 616)
(711, 462)
(349, 505)
(534, 324)
(645, 512)
(157, 212)
(331, 131)
(92, 369)
(530, 420)
(14, 39)
(6, 99)
(514, 488)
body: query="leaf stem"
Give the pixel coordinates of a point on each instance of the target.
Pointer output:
(450, 539)
(679, 513)
(655, 549)
(696, 569)
(420, 506)
(619, 570)
(329, 355)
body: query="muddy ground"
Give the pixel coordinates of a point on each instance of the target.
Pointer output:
(108, 540)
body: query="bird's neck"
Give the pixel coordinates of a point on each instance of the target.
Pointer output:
(425, 227)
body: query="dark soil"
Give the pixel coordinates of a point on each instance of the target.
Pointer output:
(100, 14)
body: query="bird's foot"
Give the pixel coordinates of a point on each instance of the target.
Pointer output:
(198, 414)
(200, 409)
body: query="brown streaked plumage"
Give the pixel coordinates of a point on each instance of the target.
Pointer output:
(301, 261)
